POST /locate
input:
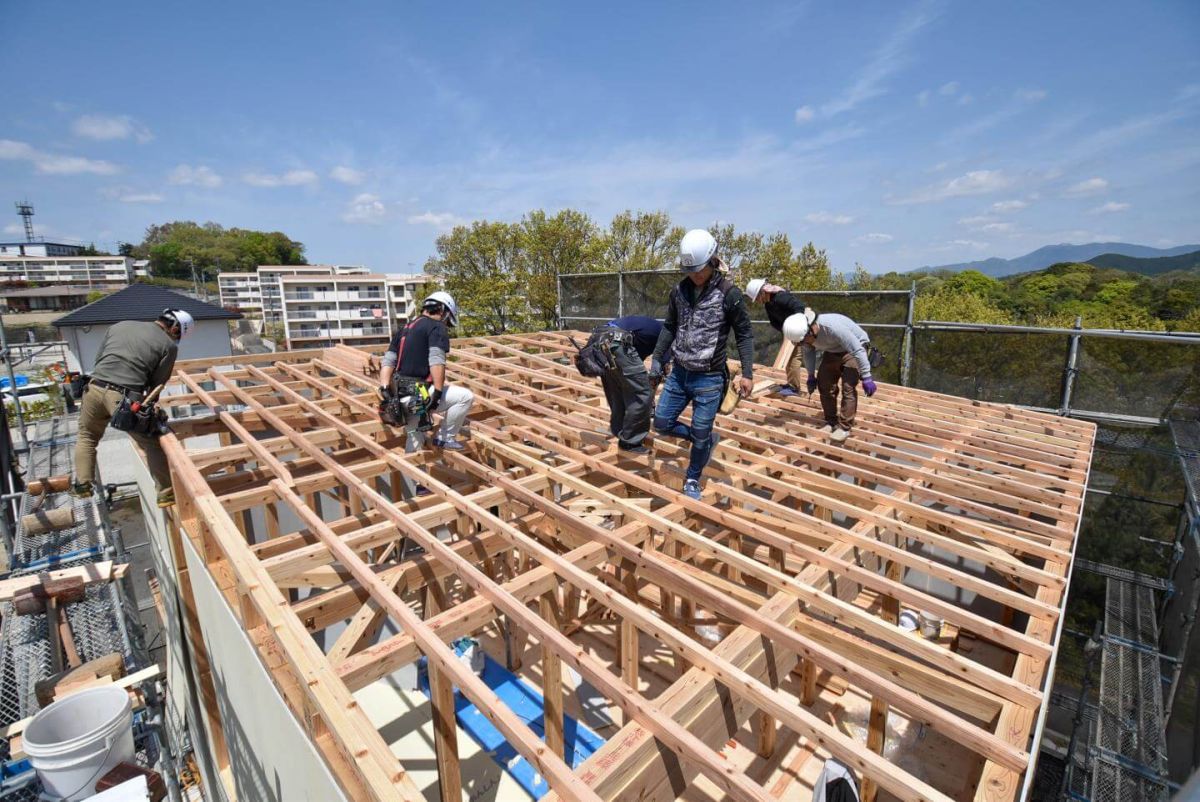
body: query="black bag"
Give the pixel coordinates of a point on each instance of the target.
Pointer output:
(874, 356)
(124, 419)
(146, 420)
(593, 359)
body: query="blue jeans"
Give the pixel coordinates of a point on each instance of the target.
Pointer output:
(703, 392)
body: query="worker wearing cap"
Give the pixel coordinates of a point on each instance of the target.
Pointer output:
(627, 385)
(134, 358)
(780, 305)
(845, 359)
(701, 310)
(417, 355)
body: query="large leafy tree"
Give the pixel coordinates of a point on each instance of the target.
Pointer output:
(568, 242)
(174, 248)
(481, 266)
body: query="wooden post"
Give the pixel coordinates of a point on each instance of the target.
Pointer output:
(445, 734)
(552, 690)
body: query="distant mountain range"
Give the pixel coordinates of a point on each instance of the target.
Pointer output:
(1065, 252)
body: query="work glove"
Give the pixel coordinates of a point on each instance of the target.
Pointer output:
(435, 399)
(656, 373)
(812, 384)
(869, 387)
(384, 393)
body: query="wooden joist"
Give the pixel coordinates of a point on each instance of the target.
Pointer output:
(542, 513)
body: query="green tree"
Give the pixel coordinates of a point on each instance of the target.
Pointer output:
(641, 241)
(481, 266)
(568, 242)
(174, 248)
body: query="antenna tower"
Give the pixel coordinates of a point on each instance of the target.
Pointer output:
(26, 211)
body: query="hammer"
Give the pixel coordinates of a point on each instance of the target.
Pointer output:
(49, 597)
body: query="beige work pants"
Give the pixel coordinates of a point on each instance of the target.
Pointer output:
(95, 411)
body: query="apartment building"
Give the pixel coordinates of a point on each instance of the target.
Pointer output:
(40, 248)
(356, 309)
(80, 270)
(260, 291)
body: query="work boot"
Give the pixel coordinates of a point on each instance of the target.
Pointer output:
(166, 497)
(638, 449)
(448, 444)
(827, 430)
(691, 489)
(81, 490)
(840, 435)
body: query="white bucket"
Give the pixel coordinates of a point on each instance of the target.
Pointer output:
(77, 740)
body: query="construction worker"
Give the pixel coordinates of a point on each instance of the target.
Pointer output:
(416, 360)
(846, 358)
(780, 305)
(134, 358)
(701, 310)
(627, 386)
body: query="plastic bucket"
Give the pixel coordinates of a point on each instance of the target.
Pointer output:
(77, 740)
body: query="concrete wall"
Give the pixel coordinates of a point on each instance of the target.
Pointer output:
(210, 338)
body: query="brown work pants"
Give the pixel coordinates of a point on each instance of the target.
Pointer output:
(95, 411)
(835, 369)
(795, 368)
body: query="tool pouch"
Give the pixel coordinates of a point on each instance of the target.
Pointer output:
(124, 419)
(874, 356)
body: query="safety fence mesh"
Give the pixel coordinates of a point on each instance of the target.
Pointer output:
(1137, 377)
(1024, 369)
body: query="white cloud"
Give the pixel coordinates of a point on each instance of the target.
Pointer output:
(439, 220)
(1110, 207)
(53, 163)
(1031, 95)
(365, 208)
(888, 59)
(975, 221)
(805, 114)
(1009, 206)
(976, 182)
(828, 219)
(875, 237)
(292, 178)
(1089, 187)
(948, 89)
(923, 98)
(105, 127)
(966, 99)
(347, 175)
(968, 243)
(996, 227)
(142, 197)
(200, 176)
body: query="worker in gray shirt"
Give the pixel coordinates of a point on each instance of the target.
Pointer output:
(134, 358)
(846, 358)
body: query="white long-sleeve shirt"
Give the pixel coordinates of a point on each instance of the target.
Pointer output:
(838, 334)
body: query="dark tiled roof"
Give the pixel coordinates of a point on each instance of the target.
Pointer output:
(142, 302)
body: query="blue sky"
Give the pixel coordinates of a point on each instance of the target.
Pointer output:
(895, 134)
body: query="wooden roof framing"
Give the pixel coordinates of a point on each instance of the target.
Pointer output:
(543, 516)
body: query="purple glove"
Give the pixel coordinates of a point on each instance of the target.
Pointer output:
(811, 384)
(869, 387)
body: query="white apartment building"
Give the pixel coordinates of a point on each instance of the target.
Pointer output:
(355, 309)
(79, 270)
(42, 248)
(260, 291)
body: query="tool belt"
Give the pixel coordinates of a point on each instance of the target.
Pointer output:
(135, 418)
(126, 391)
(407, 404)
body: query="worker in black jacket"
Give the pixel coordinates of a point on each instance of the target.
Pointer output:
(700, 313)
(780, 305)
(627, 387)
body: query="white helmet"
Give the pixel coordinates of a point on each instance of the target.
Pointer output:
(695, 249)
(797, 326)
(447, 300)
(754, 288)
(178, 317)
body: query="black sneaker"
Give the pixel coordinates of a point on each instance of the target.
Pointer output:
(638, 449)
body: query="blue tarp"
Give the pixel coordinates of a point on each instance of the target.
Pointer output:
(579, 742)
(22, 380)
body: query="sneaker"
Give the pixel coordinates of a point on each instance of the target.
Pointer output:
(422, 490)
(786, 390)
(448, 444)
(840, 435)
(166, 498)
(691, 489)
(638, 449)
(827, 430)
(715, 438)
(81, 489)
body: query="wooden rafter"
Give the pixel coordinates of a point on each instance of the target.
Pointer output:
(543, 513)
